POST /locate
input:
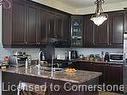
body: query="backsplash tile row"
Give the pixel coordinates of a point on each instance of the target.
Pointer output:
(87, 51)
(34, 52)
(9, 52)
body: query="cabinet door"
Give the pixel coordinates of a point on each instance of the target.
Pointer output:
(66, 28)
(113, 74)
(101, 34)
(97, 67)
(125, 25)
(41, 28)
(59, 27)
(76, 31)
(19, 23)
(116, 29)
(54, 26)
(88, 32)
(32, 22)
(50, 24)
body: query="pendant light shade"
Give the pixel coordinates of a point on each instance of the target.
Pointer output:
(99, 16)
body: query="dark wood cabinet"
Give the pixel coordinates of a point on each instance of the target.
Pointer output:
(88, 32)
(14, 24)
(109, 34)
(101, 37)
(57, 26)
(125, 21)
(18, 23)
(29, 24)
(50, 25)
(95, 36)
(66, 28)
(32, 23)
(116, 28)
(41, 34)
(22, 25)
(113, 74)
(77, 31)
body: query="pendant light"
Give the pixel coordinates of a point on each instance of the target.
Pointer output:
(99, 16)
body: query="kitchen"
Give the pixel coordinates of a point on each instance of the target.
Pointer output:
(67, 37)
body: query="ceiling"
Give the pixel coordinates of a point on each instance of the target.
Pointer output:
(86, 3)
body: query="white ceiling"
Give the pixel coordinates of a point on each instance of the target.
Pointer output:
(86, 3)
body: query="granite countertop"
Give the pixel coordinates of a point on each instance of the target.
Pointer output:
(77, 77)
(100, 62)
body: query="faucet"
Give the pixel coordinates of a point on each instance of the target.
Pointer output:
(39, 57)
(52, 68)
(39, 61)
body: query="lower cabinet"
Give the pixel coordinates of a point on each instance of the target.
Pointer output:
(111, 73)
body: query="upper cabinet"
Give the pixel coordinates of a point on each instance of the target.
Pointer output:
(18, 23)
(14, 24)
(41, 34)
(77, 31)
(32, 23)
(22, 26)
(116, 29)
(101, 37)
(125, 17)
(95, 36)
(109, 34)
(88, 32)
(29, 24)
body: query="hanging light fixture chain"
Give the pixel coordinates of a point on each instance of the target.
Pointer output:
(99, 9)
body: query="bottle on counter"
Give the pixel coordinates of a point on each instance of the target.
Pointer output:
(66, 55)
(102, 56)
(26, 64)
(106, 58)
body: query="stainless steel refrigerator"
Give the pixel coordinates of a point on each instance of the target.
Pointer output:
(125, 64)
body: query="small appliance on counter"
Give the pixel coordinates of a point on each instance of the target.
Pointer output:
(71, 55)
(5, 63)
(114, 57)
(19, 59)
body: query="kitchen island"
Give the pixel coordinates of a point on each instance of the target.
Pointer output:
(12, 76)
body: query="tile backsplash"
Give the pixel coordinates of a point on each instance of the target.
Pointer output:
(87, 51)
(9, 51)
(58, 51)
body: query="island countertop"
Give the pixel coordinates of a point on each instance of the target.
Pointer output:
(78, 77)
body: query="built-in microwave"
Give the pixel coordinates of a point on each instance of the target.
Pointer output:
(116, 57)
